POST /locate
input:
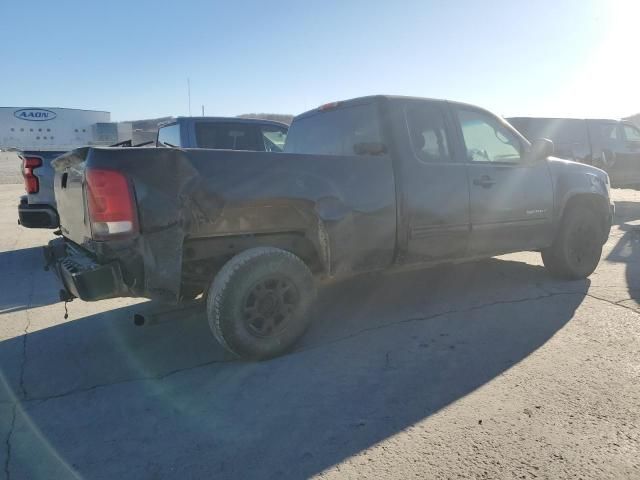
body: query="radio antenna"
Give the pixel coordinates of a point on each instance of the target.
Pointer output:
(189, 93)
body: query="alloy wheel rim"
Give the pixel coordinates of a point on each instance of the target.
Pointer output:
(269, 306)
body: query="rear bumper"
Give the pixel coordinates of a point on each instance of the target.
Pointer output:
(81, 276)
(37, 216)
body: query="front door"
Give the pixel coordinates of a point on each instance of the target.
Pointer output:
(511, 196)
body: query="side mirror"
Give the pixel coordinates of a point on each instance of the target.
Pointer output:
(541, 148)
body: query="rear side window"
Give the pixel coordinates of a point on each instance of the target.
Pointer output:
(428, 133)
(226, 136)
(169, 135)
(350, 130)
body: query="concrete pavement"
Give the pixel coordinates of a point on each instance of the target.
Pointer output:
(483, 370)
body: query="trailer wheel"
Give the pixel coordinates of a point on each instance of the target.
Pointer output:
(258, 303)
(576, 251)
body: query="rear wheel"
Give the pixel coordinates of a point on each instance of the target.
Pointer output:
(576, 251)
(258, 304)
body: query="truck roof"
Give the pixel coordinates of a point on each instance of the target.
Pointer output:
(369, 98)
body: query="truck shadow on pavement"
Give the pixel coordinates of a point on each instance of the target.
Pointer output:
(626, 250)
(100, 398)
(23, 281)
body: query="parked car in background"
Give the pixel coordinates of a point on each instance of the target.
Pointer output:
(38, 209)
(611, 145)
(366, 184)
(224, 134)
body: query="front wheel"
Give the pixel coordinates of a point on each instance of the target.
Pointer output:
(576, 251)
(258, 304)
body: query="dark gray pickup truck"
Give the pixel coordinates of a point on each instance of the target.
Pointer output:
(366, 184)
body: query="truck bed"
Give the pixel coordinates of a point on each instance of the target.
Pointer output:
(345, 206)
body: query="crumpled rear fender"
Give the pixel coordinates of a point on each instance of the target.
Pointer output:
(344, 205)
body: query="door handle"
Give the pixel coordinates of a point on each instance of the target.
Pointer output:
(484, 181)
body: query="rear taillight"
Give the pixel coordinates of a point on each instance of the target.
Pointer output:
(111, 204)
(31, 183)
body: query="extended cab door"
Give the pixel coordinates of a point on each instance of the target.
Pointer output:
(511, 201)
(434, 219)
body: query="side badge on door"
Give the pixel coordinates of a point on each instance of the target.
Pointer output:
(536, 212)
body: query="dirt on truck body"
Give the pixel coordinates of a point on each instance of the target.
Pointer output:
(367, 184)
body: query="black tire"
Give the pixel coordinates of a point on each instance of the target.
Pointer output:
(576, 251)
(258, 303)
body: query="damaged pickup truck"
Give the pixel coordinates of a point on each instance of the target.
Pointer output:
(366, 184)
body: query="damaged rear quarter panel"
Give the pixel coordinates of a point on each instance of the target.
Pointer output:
(344, 205)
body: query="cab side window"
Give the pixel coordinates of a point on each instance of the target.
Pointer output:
(487, 139)
(632, 134)
(428, 133)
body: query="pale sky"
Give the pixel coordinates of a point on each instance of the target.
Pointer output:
(550, 58)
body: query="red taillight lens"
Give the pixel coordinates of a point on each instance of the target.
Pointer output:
(111, 204)
(31, 183)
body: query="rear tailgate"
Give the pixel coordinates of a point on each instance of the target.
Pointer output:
(44, 173)
(69, 193)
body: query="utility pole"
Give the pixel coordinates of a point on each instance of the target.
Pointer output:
(189, 93)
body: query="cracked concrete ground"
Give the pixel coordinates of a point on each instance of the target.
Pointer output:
(484, 370)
